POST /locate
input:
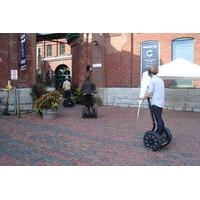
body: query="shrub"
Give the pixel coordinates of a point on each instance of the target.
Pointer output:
(78, 96)
(50, 100)
(37, 91)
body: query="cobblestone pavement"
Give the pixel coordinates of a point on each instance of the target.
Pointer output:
(113, 139)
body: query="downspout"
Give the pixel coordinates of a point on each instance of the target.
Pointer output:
(87, 34)
(103, 64)
(131, 82)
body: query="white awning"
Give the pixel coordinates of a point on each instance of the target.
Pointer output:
(178, 69)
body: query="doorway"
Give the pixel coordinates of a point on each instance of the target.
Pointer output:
(61, 72)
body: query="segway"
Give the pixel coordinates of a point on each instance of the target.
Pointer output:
(67, 102)
(92, 113)
(153, 140)
(89, 111)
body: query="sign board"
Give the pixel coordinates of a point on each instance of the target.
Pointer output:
(14, 74)
(97, 65)
(150, 54)
(22, 50)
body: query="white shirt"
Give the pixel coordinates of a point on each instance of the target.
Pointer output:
(157, 90)
(66, 85)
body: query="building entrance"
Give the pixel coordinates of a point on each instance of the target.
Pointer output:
(61, 72)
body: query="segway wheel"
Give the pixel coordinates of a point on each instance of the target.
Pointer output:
(152, 140)
(169, 135)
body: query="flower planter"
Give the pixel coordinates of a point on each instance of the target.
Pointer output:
(49, 114)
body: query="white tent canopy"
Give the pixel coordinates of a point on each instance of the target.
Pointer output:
(178, 69)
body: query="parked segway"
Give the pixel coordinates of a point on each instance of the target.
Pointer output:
(89, 111)
(152, 139)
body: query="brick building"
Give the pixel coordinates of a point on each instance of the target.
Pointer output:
(117, 61)
(18, 64)
(27, 59)
(53, 59)
(10, 59)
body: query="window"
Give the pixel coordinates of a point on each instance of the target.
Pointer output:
(62, 49)
(49, 50)
(183, 48)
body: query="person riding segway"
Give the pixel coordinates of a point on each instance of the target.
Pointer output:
(155, 95)
(88, 89)
(67, 93)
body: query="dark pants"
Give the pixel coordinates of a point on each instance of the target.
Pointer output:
(88, 100)
(67, 94)
(157, 112)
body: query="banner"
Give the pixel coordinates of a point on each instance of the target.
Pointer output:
(150, 54)
(22, 52)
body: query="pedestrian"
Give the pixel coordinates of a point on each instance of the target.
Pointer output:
(67, 90)
(88, 71)
(156, 93)
(88, 90)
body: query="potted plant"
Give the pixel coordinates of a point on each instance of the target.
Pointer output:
(37, 91)
(78, 96)
(48, 104)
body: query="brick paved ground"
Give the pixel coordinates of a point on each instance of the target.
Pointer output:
(115, 138)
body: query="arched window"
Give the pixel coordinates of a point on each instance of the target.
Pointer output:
(183, 48)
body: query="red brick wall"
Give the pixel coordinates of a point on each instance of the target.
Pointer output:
(165, 40)
(75, 65)
(97, 47)
(9, 52)
(118, 59)
(121, 56)
(4, 62)
(81, 56)
(55, 47)
(55, 53)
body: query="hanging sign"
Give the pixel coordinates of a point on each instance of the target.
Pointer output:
(150, 55)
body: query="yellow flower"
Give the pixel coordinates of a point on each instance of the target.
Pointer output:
(8, 86)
